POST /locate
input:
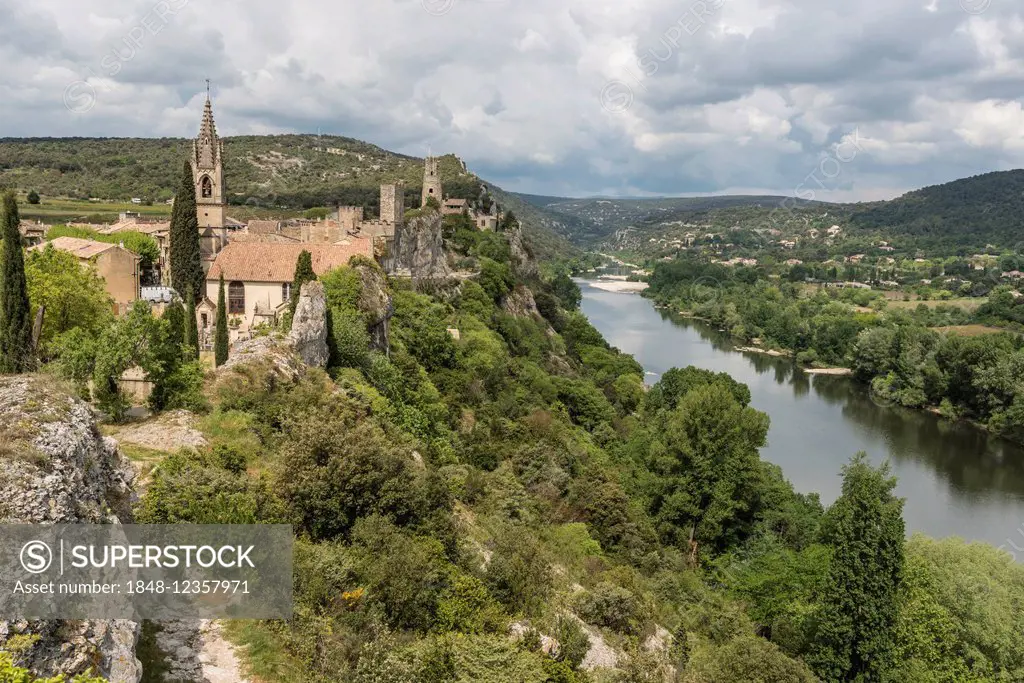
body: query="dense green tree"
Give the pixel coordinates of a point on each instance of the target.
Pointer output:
(220, 346)
(186, 259)
(191, 339)
(16, 352)
(127, 343)
(33, 197)
(708, 468)
(855, 637)
(567, 291)
(303, 274)
(72, 295)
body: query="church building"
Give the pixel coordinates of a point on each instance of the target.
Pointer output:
(207, 161)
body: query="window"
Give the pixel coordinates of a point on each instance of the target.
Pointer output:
(206, 187)
(286, 291)
(236, 298)
(206, 322)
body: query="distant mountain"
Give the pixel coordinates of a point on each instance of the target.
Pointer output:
(987, 208)
(599, 219)
(959, 215)
(283, 171)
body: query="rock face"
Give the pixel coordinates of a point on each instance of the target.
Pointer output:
(419, 248)
(309, 325)
(55, 467)
(375, 304)
(520, 303)
(522, 257)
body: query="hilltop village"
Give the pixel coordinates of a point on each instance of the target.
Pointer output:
(257, 258)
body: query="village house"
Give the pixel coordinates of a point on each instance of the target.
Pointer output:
(258, 279)
(118, 267)
(32, 233)
(454, 207)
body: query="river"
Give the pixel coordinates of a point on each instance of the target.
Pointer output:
(957, 480)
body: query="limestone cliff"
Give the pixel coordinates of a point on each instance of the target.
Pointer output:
(55, 467)
(374, 303)
(522, 258)
(309, 325)
(418, 249)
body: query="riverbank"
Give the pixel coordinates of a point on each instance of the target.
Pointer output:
(957, 480)
(620, 286)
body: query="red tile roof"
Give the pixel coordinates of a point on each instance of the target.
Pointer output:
(263, 262)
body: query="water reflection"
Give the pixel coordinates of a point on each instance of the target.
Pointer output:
(957, 479)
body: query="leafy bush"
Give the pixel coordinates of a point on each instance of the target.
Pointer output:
(611, 606)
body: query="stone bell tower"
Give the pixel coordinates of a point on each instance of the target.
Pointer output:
(208, 173)
(431, 181)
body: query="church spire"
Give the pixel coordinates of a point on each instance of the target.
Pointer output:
(207, 144)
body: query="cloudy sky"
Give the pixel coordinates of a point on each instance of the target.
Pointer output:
(830, 99)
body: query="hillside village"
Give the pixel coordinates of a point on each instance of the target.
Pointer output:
(257, 258)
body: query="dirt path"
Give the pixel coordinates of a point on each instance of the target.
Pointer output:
(197, 652)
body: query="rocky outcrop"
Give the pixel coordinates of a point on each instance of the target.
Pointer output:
(522, 258)
(374, 303)
(520, 303)
(55, 467)
(418, 250)
(309, 325)
(168, 432)
(274, 353)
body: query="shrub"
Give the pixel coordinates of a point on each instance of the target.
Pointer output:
(611, 606)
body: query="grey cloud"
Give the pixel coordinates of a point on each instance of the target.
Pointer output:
(750, 99)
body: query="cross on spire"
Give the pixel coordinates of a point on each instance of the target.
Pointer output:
(207, 88)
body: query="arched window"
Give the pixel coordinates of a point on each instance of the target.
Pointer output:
(206, 187)
(236, 298)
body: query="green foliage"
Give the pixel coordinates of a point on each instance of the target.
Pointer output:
(72, 295)
(519, 574)
(191, 340)
(855, 637)
(959, 612)
(495, 278)
(613, 607)
(708, 468)
(186, 266)
(127, 343)
(220, 345)
(16, 352)
(11, 673)
(209, 487)
(339, 471)
(139, 243)
(303, 274)
(573, 642)
(747, 658)
(33, 197)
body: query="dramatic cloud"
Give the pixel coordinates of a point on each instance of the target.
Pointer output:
(835, 100)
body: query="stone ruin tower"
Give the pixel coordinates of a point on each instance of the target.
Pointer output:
(392, 202)
(431, 181)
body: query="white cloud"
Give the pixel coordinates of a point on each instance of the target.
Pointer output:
(714, 94)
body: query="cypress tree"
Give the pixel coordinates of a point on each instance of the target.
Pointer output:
(191, 328)
(186, 259)
(303, 274)
(856, 628)
(220, 347)
(15, 315)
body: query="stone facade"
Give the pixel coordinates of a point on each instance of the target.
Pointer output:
(392, 203)
(431, 181)
(208, 172)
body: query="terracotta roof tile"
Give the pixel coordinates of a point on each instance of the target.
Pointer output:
(83, 249)
(263, 262)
